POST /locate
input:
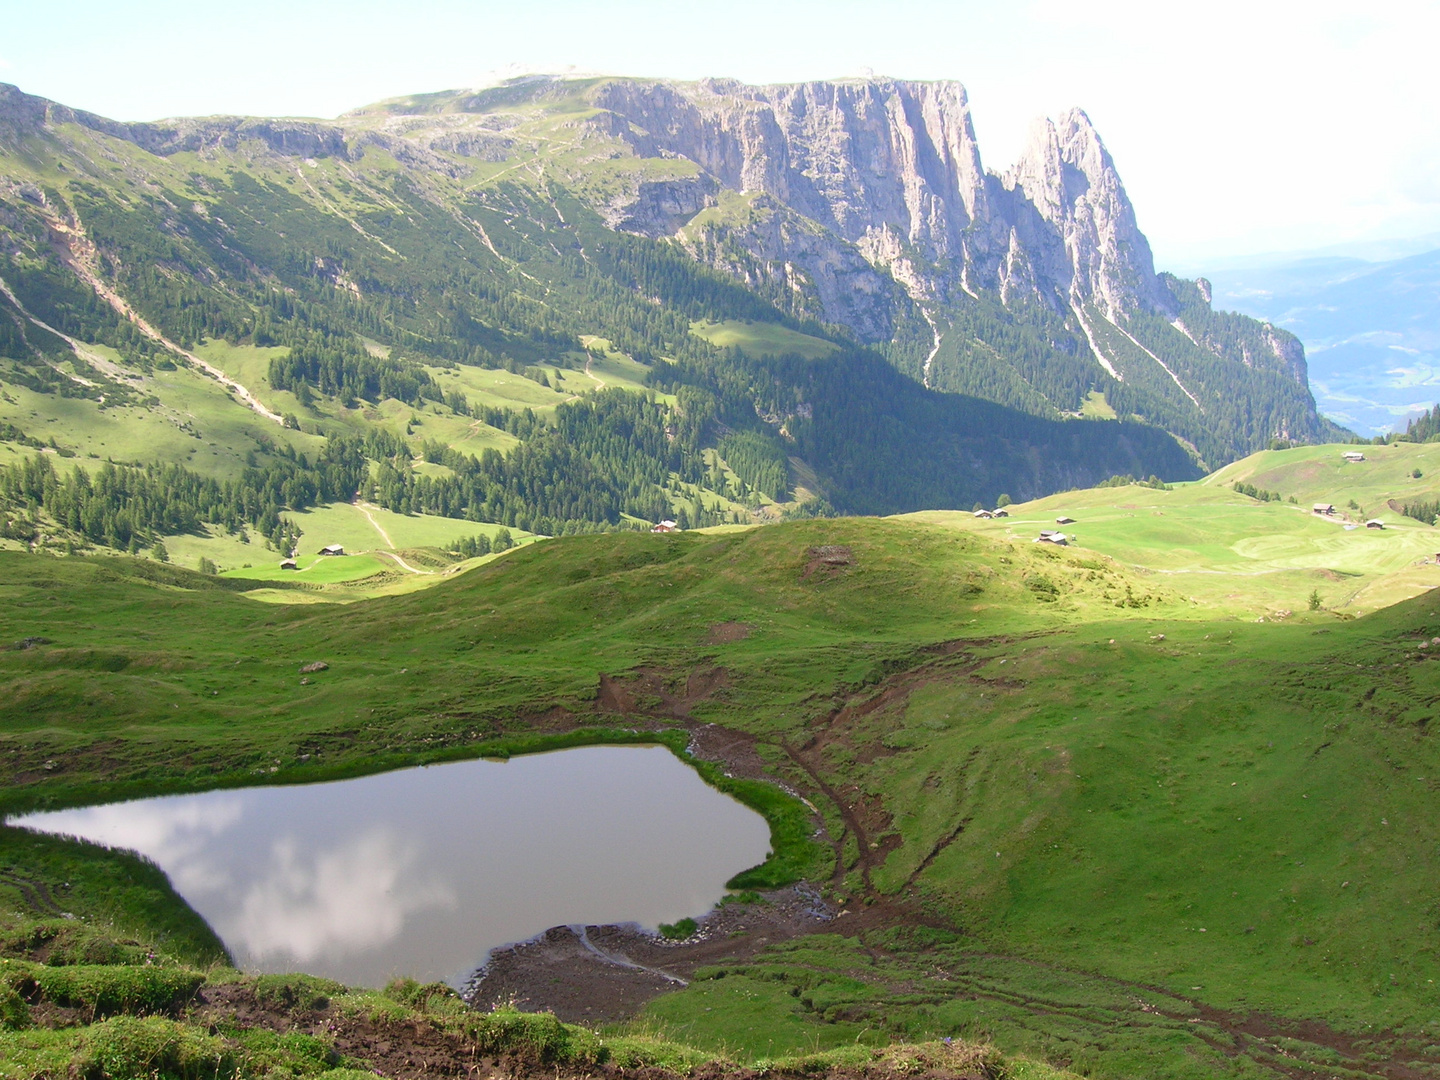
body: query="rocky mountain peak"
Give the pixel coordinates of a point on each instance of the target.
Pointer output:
(1069, 178)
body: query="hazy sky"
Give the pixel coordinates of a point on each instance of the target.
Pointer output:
(1239, 126)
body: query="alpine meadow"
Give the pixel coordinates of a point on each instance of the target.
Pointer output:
(1077, 666)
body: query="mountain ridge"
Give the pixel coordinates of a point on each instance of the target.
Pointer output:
(865, 202)
(406, 245)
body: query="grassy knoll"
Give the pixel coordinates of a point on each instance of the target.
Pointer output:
(1071, 808)
(762, 339)
(372, 536)
(498, 389)
(608, 367)
(1321, 474)
(1230, 552)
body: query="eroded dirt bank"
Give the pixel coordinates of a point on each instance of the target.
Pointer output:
(592, 974)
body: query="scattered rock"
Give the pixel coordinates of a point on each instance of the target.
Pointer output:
(313, 666)
(30, 643)
(827, 559)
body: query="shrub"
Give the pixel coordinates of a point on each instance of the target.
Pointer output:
(130, 1048)
(537, 1035)
(678, 931)
(106, 990)
(303, 992)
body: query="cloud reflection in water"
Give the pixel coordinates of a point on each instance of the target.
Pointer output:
(311, 903)
(422, 871)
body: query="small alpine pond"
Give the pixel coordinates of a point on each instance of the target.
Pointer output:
(422, 871)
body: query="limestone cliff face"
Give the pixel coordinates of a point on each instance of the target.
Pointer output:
(858, 157)
(1067, 178)
(891, 171)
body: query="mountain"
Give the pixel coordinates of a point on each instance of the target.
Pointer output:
(820, 288)
(865, 203)
(1371, 328)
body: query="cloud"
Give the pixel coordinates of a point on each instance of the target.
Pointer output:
(356, 897)
(176, 834)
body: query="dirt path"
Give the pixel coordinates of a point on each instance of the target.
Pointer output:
(365, 509)
(34, 893)
(79, 254)
(590, 373)
(402, 563)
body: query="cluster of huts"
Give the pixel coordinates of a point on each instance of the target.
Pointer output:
(1328, 510)
(328, 549)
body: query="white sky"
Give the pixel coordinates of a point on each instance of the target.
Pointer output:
(1239, 126)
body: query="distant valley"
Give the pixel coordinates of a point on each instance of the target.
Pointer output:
(1371, 328)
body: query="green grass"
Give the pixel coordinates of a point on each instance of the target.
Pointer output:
(1107, 788)
(498, 388)
(139, 1020)
(90, 896)
(1321, 474)
(320, 569)
(195, 424)
(1230, 552)
(762, 339)
(609, 368)
(1095, 407)
(360, 530)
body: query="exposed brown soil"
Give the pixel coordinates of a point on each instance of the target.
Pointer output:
(734, 751)
(600, 973)
(558, 970)
(654, 692)
(724, 633)
(826, 560)
(855, 727)
(416, 1049)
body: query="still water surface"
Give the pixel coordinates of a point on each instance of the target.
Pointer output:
(421, 872)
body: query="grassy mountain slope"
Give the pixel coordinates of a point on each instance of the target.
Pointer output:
(1077, 808)
(1232, 552)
